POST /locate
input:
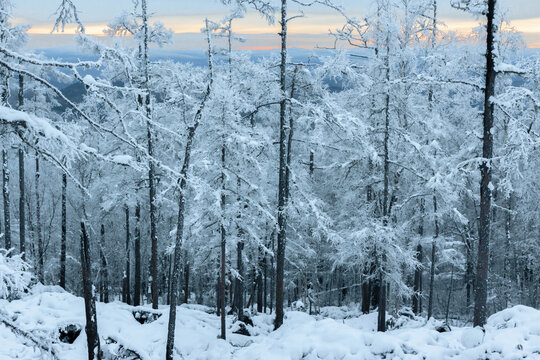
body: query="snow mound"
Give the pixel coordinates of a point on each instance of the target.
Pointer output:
(472, 337)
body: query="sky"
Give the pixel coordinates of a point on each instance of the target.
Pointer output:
(185, 18)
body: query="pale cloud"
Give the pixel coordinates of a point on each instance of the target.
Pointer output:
(309, 31)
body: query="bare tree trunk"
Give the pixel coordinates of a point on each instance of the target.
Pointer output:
(41, 276)
(126, 296)
(506, 262)
(137, 286)
(272, 275)
(239, 287)
(5, 193)
(64, 233)
(223, 245)
(22, 213)
(449, 293)
(417, 288)
(433, 251)
(283, 185)
(92, 336)
(181, 206)
(480, 293)
(104, 266)
(259, 280)
(151, 165)
(265, 282)
(186, 279)
(177, 249)
(381, 316)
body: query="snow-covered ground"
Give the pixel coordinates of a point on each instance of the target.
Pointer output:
(510, 334)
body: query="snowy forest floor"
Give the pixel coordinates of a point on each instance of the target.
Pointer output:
(510, 334)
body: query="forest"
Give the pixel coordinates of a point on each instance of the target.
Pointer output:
(375, 199)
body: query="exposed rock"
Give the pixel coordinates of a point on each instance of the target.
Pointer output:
(443, 328)
(242, 329)
(69, 333)
(246, 319)
(145, 317)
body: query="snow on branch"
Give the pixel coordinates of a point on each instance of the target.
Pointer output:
(67, 13)
(40, 127)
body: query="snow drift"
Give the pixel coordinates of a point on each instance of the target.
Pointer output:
(510, 334)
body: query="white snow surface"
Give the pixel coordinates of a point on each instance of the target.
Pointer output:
(337, 333)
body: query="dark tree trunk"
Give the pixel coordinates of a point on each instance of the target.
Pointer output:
(137, 286)
(283, 185)
(432, 269)
(480, 293)
(186, 280)
(506, 261)
(41, 255)
(381, 317)
(272, 275)
(22, 214)
(126, 296)
(181, 206)
(104, 269)
(223, 247)
(154, 285)
(260, 282)
(177, 249)
(417, 287)
(7, 203)
(92, 336)
(265, 282)
(239, 281)
(64, 233)
(469, 274)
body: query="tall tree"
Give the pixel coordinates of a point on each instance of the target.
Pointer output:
(92, 336)
(22, 213)
(182, 187)
(282, 184)
(63, 236)
(486, 186)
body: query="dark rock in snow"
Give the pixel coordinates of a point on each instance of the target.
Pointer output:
(443, 328)
(246, 319)
(145, 317)
(242, 329)
(69, 333)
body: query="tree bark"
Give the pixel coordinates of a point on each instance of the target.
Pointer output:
(41, 275)
(64, 233)
(104, 266)
(92, 336)
(283, 185)
(223, 245)
(137, 286)
(260, 282)
(480, 293)
(154, 285)
(126, 296)
(7, 202)
(239, 281)
(181, 206)
(417, 287)
(22, 213)
(432, 269)
(381, 316)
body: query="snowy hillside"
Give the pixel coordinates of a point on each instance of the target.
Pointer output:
(510, 334)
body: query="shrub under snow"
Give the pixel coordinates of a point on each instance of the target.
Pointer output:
(14, 275)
